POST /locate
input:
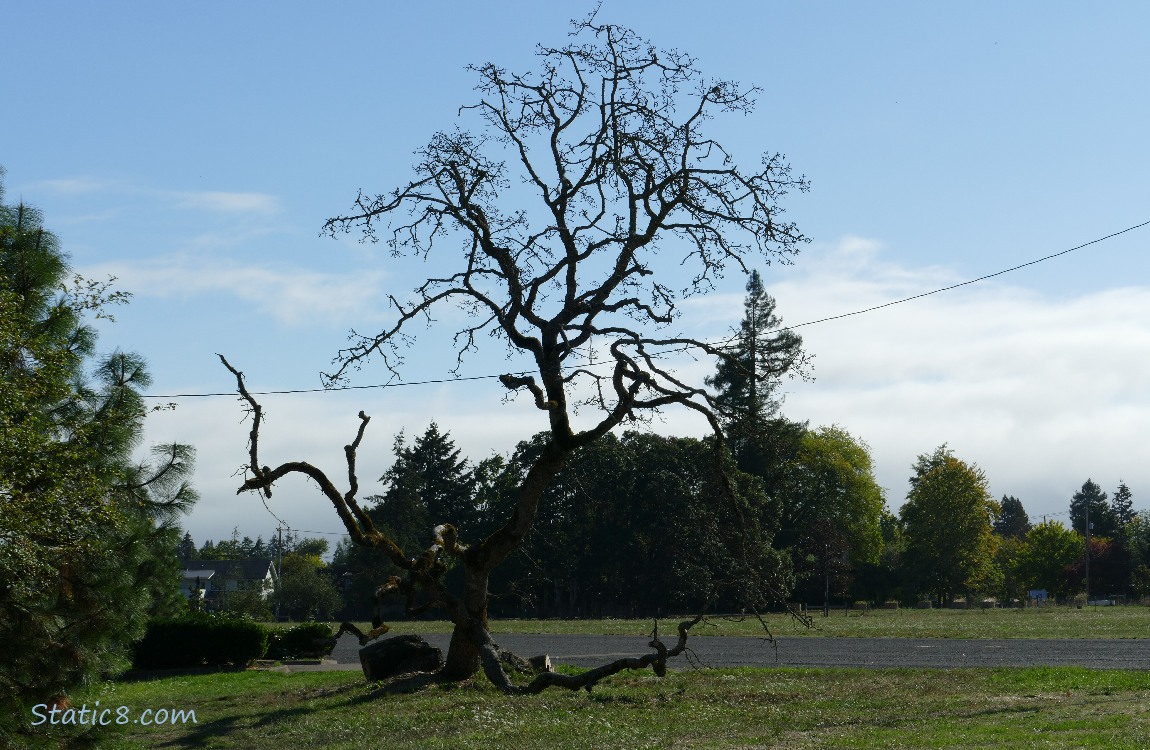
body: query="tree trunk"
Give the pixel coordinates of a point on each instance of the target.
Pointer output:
(463, 653)
(462, 656)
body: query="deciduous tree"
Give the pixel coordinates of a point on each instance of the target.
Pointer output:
(608, 140)
(947, 519)
(304, 591)
(1046, 559)
(1110, 567)
(831, 481)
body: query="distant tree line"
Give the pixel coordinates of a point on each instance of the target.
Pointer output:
(952, 540)
(631, 527)
(826, 522)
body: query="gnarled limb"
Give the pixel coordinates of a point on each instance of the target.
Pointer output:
(657, 661)
(357, 522)
(362, 637)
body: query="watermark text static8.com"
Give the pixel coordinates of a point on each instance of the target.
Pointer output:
(43, 713)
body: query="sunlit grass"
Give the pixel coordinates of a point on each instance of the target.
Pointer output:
(800, 708)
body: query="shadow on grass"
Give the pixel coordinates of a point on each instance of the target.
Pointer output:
(399, 685)
(145, 675)
(202, 735)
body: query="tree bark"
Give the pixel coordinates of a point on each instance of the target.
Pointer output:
(470, 638)
(462, 657)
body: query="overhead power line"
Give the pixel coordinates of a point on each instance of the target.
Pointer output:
(720, 344)
(340, 387)
(972, 281)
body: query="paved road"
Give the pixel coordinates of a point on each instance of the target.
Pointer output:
(592, 650)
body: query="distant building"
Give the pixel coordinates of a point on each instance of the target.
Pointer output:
(214, 579)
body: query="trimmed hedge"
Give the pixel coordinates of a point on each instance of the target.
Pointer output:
(198, 639)
(309, 640)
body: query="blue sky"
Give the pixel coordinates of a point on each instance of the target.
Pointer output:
(194, 152)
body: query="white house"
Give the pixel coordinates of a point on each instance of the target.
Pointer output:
(215, 578)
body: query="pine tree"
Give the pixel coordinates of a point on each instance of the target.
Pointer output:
(1012, 521)
(763, 442)
(187, 549)
(88, 541)
(429, 484)
(761, 354)
(1122, 505)
(1103, 522)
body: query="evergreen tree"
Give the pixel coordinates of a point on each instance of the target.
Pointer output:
(761, 354)
(282, 542)
(187, 547)
(1122, 505)
(634, 525)
(429, 484)
(87, 541)
(1012, 521)
(763, 442)
(1103, 522)
(446, 481)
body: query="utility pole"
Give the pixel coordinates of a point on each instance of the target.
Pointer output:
(279, 568)
(826, 580)
(1088, 553)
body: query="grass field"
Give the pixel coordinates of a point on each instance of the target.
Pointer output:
(745, 708)
(1046, 622)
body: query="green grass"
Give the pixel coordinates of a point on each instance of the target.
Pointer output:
(1047, 622)
(744, 708)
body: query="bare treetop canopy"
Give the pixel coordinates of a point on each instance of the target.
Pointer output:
(608, 138)
(590, 179)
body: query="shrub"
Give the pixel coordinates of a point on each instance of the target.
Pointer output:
(309, 640)
(196, 639)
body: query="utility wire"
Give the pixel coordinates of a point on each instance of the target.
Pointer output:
(972, 281)
(340, 387)
(724, 343)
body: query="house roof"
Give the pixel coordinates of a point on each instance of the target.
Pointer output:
(248, 569)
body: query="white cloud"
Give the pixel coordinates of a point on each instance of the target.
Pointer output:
(291, 295)
(228, 202)
(1040, 392)
(75, 185)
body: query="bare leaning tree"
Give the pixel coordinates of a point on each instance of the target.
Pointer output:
(591, 178)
